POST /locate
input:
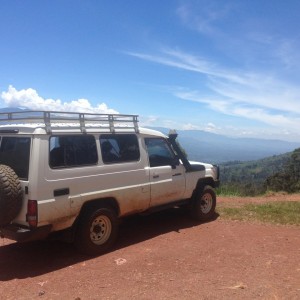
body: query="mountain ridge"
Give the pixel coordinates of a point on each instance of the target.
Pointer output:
(215, 148)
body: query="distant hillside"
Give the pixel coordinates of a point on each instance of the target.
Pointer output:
(276, 173)
(214, 148)
(254, 170)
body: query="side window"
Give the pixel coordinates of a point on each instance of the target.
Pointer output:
(159, 151)
(72, 151)
(119, 148)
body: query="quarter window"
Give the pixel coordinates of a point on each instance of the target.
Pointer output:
(119, 148)
(72, 151)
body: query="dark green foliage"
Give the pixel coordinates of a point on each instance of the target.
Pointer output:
(248, 178)
(287, 179)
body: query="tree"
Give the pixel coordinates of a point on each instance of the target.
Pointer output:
(289, 178)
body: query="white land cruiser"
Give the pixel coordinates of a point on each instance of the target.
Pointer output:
(80, 173)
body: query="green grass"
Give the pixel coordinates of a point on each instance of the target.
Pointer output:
(287, 213)
(242, 190)
(228, 191)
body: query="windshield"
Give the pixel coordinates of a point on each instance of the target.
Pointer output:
(14, 152)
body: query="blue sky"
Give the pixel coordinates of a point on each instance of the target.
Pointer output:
(228, 67)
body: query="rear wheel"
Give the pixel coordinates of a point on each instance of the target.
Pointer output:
(97, 231)
(204, 204)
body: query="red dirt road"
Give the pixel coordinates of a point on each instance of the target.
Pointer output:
(163, 256)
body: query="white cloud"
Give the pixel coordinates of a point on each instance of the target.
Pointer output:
(263, 90)
(255, 40)
(210, 127)
(148, 121)
(262, 84)
(280, 119)
(29, 98)
(190, 126)
(252, 95)
(259, 90)
(201, 16)
(185, 61)
(156, 121)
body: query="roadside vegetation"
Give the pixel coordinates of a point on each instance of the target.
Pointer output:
(276, 173)
(286, 213)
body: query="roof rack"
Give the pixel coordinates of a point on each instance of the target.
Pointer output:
(58, 120)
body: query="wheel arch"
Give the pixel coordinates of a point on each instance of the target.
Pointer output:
(90, 205)
(101, 203)
(202, 183)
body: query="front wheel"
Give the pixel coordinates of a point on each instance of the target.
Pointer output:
(204, 204)
(97, 231)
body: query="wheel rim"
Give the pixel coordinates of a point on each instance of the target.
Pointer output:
(206, 203)
(100, 230)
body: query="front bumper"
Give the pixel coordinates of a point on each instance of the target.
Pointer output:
(22, 234)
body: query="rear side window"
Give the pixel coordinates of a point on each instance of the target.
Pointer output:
(119, 148)
(15, 152)
(72, 151)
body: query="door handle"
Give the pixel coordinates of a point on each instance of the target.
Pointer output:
(177, 174)
(155, 176)
(61, 192)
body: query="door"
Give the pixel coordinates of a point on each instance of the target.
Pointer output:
(167, 175)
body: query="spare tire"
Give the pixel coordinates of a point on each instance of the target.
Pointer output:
(10, 195)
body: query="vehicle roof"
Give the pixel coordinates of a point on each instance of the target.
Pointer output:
(69, 129)
(58, 122)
